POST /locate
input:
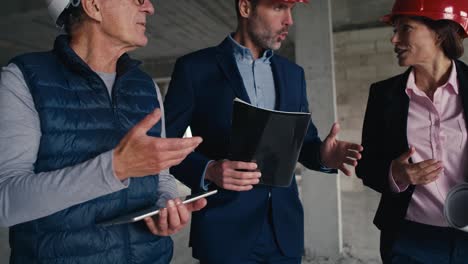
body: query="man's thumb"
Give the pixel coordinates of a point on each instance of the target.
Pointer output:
(334, 130)
(149, 121)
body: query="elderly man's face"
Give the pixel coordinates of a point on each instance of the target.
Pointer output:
(269, 24)
(125, 21)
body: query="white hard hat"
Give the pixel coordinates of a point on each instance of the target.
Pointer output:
(56, 8)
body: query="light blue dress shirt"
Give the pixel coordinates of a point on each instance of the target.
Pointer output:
(256, 75)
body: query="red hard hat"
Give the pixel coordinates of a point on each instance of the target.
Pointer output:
(455, 10)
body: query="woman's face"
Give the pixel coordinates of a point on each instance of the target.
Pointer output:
(414, 42)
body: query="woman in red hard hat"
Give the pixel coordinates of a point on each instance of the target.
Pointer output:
(415, 134)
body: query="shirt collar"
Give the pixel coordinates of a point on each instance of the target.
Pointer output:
(452, 82)
(242, 53)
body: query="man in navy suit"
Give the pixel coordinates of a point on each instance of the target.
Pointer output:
(245, 222)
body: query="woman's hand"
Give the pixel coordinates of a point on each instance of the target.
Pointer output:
(406, 173)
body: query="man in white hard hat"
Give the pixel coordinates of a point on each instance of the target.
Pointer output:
(264, 224)
(82, 140)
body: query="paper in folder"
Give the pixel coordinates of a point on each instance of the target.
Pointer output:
(273, 139)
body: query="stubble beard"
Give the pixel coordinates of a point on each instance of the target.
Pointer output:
(261, 35)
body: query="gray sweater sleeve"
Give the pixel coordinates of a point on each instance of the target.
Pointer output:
(25, 195)
(167, 188)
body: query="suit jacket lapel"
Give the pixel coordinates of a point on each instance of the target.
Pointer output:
(228, 65)
(280, 86)
(397, 111)
(462, 83)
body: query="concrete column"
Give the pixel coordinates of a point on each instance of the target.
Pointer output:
(4, 246)
(320, 192)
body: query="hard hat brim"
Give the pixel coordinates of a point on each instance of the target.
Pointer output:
(462, 21)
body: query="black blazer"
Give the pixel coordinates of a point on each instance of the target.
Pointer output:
(384, 139)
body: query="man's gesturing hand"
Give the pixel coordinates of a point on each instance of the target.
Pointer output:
(336, 153)
(139, 155)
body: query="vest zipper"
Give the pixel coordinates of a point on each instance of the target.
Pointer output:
(123, 202)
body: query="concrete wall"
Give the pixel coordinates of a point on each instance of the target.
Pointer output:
(4, 248)
(361, 58)
(358, 14)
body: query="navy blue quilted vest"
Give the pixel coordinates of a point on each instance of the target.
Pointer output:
(78, 122)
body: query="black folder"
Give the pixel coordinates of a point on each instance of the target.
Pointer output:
(272, 139)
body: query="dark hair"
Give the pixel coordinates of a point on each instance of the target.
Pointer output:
(450, 34)
(71, 18)
(254, 4)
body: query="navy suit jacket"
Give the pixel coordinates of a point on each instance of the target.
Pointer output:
(384, 138)
(201, 93)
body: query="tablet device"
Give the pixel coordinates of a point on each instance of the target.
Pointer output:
(154, 210)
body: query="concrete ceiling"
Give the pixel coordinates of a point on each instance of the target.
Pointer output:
(178, 27)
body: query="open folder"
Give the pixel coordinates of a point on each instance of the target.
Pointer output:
(273, 139)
